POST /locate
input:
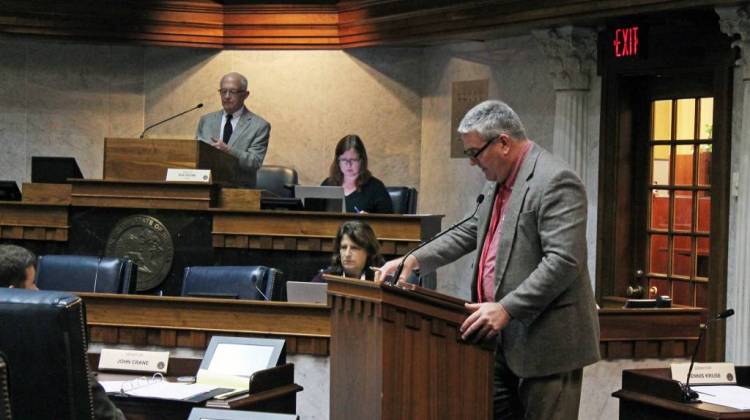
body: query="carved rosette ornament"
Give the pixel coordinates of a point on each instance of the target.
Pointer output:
(146, 241)
(735, 21)
(571, 55)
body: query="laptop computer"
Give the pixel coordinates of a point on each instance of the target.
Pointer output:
(306, 292)
(321, 198)
(54, 169)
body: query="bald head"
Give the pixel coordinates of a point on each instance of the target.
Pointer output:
(233, 91)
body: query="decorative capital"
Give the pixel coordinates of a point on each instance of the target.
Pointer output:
(735, 21)
(571, 54)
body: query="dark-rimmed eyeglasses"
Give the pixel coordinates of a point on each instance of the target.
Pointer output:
(349, 162)
(231, 92)
(474, 153)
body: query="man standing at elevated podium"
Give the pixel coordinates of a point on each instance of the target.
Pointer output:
(236, 130)
(530, 279)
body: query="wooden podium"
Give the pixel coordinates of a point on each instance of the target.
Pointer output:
(149, 159)
(396, 353)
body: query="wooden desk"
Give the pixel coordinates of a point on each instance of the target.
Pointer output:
(275, 392)
(170, 321)
(198, 224)
(651, 394)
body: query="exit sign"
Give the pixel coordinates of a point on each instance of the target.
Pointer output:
(626, 42)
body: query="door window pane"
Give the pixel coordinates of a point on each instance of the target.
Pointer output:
(685, 119)
(662, 125)
(660, 165)
(706, 127)
(658, 254)
(659, 210)
(682, 249)
(683, 165)
(683, 211)
(704, 164)
(704, 253)
(703, 222)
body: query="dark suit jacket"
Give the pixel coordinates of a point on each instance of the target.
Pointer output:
(248, 143)
(541, 274)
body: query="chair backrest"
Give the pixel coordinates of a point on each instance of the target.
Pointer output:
(404, 199)
(4, 389)
(43, 335)
(82, 273)
(274, 178)
(234, 282)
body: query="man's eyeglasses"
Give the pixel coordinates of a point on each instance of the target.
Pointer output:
(349, 162)
(474, 153)
(231, 92)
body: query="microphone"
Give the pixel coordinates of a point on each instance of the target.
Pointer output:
(400, 267)
(688, 395)
(200, 105)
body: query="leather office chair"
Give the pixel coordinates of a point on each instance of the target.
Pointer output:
(274, 178)
(404, 199)
(234, 282)
(43, 335)
(81, 273)
(4, 389)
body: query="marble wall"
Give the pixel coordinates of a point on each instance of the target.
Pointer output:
(62, 99)
(518, 74)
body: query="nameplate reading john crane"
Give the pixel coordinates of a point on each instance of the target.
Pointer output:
(134, 360)
(188, 175)
(146, 241)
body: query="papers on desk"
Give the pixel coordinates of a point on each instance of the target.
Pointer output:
(163, 389)
(733, 396)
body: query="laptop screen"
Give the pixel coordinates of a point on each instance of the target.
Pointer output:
(321, 198)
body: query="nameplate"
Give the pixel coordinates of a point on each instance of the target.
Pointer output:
(134, 360)
(188, 175)
(705, 373)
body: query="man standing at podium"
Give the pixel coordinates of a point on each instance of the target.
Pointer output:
(236, 130)
(530, 279)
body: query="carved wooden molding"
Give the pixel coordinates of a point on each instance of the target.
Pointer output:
(345, 24)
(27, 221)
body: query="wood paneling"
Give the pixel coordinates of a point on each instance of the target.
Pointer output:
(31, 221)
(39, 193)
(305, 25)
(190, 322)
(300, 231)
(143, 194)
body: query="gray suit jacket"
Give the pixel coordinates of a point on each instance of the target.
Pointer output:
(248, 143)
(541, 276)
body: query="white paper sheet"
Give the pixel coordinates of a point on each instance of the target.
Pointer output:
(158, 389)
(170, 390)
(727, 395)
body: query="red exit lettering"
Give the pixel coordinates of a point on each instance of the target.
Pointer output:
(626, 42)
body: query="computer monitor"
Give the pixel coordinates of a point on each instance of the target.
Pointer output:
(9, 191)
(321, 198)
(54, 169)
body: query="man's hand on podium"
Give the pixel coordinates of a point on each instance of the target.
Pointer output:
(219, 144)
(389, 268)
(485, 322)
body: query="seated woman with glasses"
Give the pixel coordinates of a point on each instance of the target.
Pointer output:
(356, 250)
(364, 192)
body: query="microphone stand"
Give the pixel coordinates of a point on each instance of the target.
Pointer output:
(688, 395)
(400, 267)
(200, 105)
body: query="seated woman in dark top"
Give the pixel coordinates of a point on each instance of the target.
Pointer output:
(364, 192)
(358, 250)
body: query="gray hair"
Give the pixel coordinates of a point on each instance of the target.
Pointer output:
(241, 78)
(14, 260)
(492, 118)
